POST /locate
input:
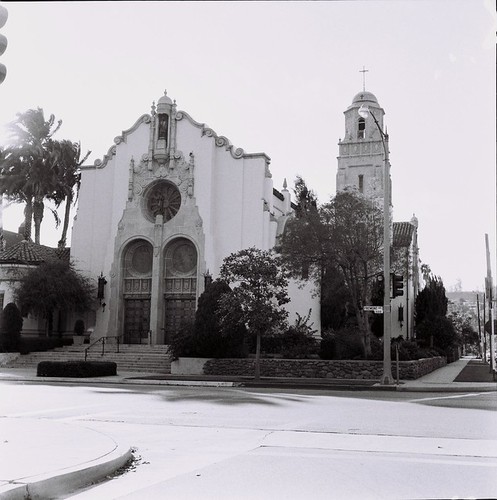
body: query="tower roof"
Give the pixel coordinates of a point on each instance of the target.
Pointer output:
(364, 97)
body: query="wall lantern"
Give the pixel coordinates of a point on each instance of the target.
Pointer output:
(401, 315)
(101, 290)
(207, 278)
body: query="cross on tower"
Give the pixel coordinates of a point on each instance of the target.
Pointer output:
(364, 71)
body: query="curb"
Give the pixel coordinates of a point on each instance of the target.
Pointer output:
(65, 481)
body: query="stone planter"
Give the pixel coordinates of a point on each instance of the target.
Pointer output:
(8, 357)
(188, 366)
(78, 339)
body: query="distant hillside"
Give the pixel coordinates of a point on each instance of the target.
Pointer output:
(465, 296)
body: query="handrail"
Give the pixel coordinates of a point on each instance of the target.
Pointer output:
(103, 339)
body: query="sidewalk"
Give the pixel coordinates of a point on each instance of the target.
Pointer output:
(83, 457)
(438, 380)
(46, 459)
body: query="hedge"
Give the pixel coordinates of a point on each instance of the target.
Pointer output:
(41, 344)
(76, 369)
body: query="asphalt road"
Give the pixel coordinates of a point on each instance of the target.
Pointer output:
(204, 442)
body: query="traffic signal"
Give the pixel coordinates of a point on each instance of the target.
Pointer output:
(3, 41)
(397, 285)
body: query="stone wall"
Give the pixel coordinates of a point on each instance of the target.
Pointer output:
(8, 357)
(318, 368)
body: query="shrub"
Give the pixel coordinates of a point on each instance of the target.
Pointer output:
(40, 344)
(204, 338)
(208, 338)
(299, 340)
(344, 343)
(181, 343)
(11, 326)
(438, 333)
(76, 369)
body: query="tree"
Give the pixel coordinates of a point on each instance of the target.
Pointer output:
(67, 158)
(208, 339)
(27, 171)
(259, 289)
(306, 199)
(52, 286)
(344, 236)
(432, 300)
(432, 325)
(11, 326)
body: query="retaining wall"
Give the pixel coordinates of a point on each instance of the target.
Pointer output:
(317, 368)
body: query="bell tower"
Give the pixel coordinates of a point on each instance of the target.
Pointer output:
(361, 153)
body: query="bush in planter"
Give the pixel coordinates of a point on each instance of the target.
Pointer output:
(203, 338)
(10, 328)
(76, 369)
(79, 327)
(181, 342)
(39, 344)
(344, 343)
(298, 341)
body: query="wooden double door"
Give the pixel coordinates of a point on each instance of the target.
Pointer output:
(136, 321)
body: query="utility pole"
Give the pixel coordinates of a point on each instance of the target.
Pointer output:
(482, 341)
(386, 378)
(489, 289)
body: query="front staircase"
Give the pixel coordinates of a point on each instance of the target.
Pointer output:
(130, 358)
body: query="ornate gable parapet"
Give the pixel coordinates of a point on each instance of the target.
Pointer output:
(122, 138)
(101, 163)
(220, 140)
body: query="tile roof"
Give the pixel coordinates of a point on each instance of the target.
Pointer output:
(27, 252)
(402, 234)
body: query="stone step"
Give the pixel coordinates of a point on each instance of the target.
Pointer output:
(137, 358)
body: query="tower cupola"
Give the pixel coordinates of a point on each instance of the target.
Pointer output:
(361, 153)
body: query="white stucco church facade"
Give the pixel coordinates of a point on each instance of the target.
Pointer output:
(159, 213)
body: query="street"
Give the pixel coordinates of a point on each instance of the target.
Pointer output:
(205, 442)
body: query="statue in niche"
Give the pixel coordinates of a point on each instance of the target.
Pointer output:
(163, 123)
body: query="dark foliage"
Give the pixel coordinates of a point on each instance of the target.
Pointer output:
(41, 344)
(298, 341)
(335, 299)
(54, 285)
(11, 326)
(432, 301)
(344, 343)
(181, 343)
(436, 333)
(204, 338)
(76, 369)
(79, 327)
(408, 351)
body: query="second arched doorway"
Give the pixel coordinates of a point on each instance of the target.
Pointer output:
(180, 286)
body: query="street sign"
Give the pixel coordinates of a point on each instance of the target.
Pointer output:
(375, 309)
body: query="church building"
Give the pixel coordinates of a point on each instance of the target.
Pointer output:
(361, 160)
(159, 213)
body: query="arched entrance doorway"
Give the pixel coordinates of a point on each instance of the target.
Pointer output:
(180, 287)
(137, 288)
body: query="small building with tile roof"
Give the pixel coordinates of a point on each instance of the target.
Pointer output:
(18, 257)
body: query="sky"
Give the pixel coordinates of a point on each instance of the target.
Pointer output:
(276, 77)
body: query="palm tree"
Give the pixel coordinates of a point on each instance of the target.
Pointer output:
(27, 172)
(67, 156)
